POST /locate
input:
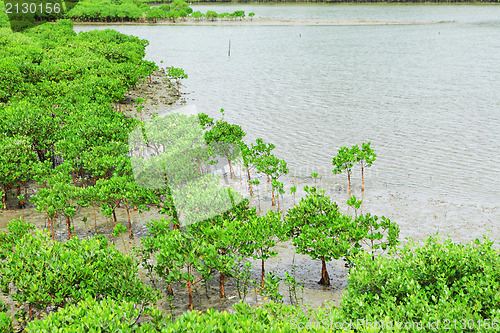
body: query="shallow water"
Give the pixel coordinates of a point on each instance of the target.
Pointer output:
(425, 95)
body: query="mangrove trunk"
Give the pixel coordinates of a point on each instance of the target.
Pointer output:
(325, 279)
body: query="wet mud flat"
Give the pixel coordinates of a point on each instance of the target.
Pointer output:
(307, 271)
(417, 218)
(161, 94)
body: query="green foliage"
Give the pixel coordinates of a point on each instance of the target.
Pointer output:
(56, 87)
(56, 273)
(3, 307)
(5, 323)
(346, 157)
(293, 190)
(318, 229)
(59, 197)
(18, 228)
(259, 237)
(261, 232)
(365, 156)
(174, 73)
(16, 159)
(111, 316)
(428, 282)
(173, 14)
(164, 7)
(420, 283)
(155, 13)
(241, 273)
(59, 110)
(381, 233)
(292, 285)
(27, 121)
(223, 15)
(118, 231)
(197, 15)
(183, 13)
(340, 1)
(238, 13)
(4, 18)
(211, 15)
(115, 190)
(344, 160)
(225, 140)
(180, 255)
(271, 287)
(273, 167)
(315, 175)
(179, 5)
(261, 149)
(107, 11)
(228, 232)
(180, 153)
(245, 319)
(150, 246)
(89, 315)
(376, 234)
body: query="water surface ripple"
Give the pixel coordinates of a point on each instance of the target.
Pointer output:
(426, 95)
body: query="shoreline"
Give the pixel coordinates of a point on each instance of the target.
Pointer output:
(271, 22)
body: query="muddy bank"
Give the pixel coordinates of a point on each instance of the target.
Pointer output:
(161, 95)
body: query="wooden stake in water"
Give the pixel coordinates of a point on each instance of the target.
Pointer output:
(229, 50)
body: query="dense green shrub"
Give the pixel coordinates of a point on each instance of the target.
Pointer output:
(5, 319)
(16, 228)
(46, 273)
(95, 316)
(454, 286)
(125, 10)
(5, 323)
(55, 106)
(4, 19)
(116, 10)
(112, 316)
(273, 317)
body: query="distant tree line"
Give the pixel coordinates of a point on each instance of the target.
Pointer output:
(334, 1)
(132, 11)
(149, 11)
